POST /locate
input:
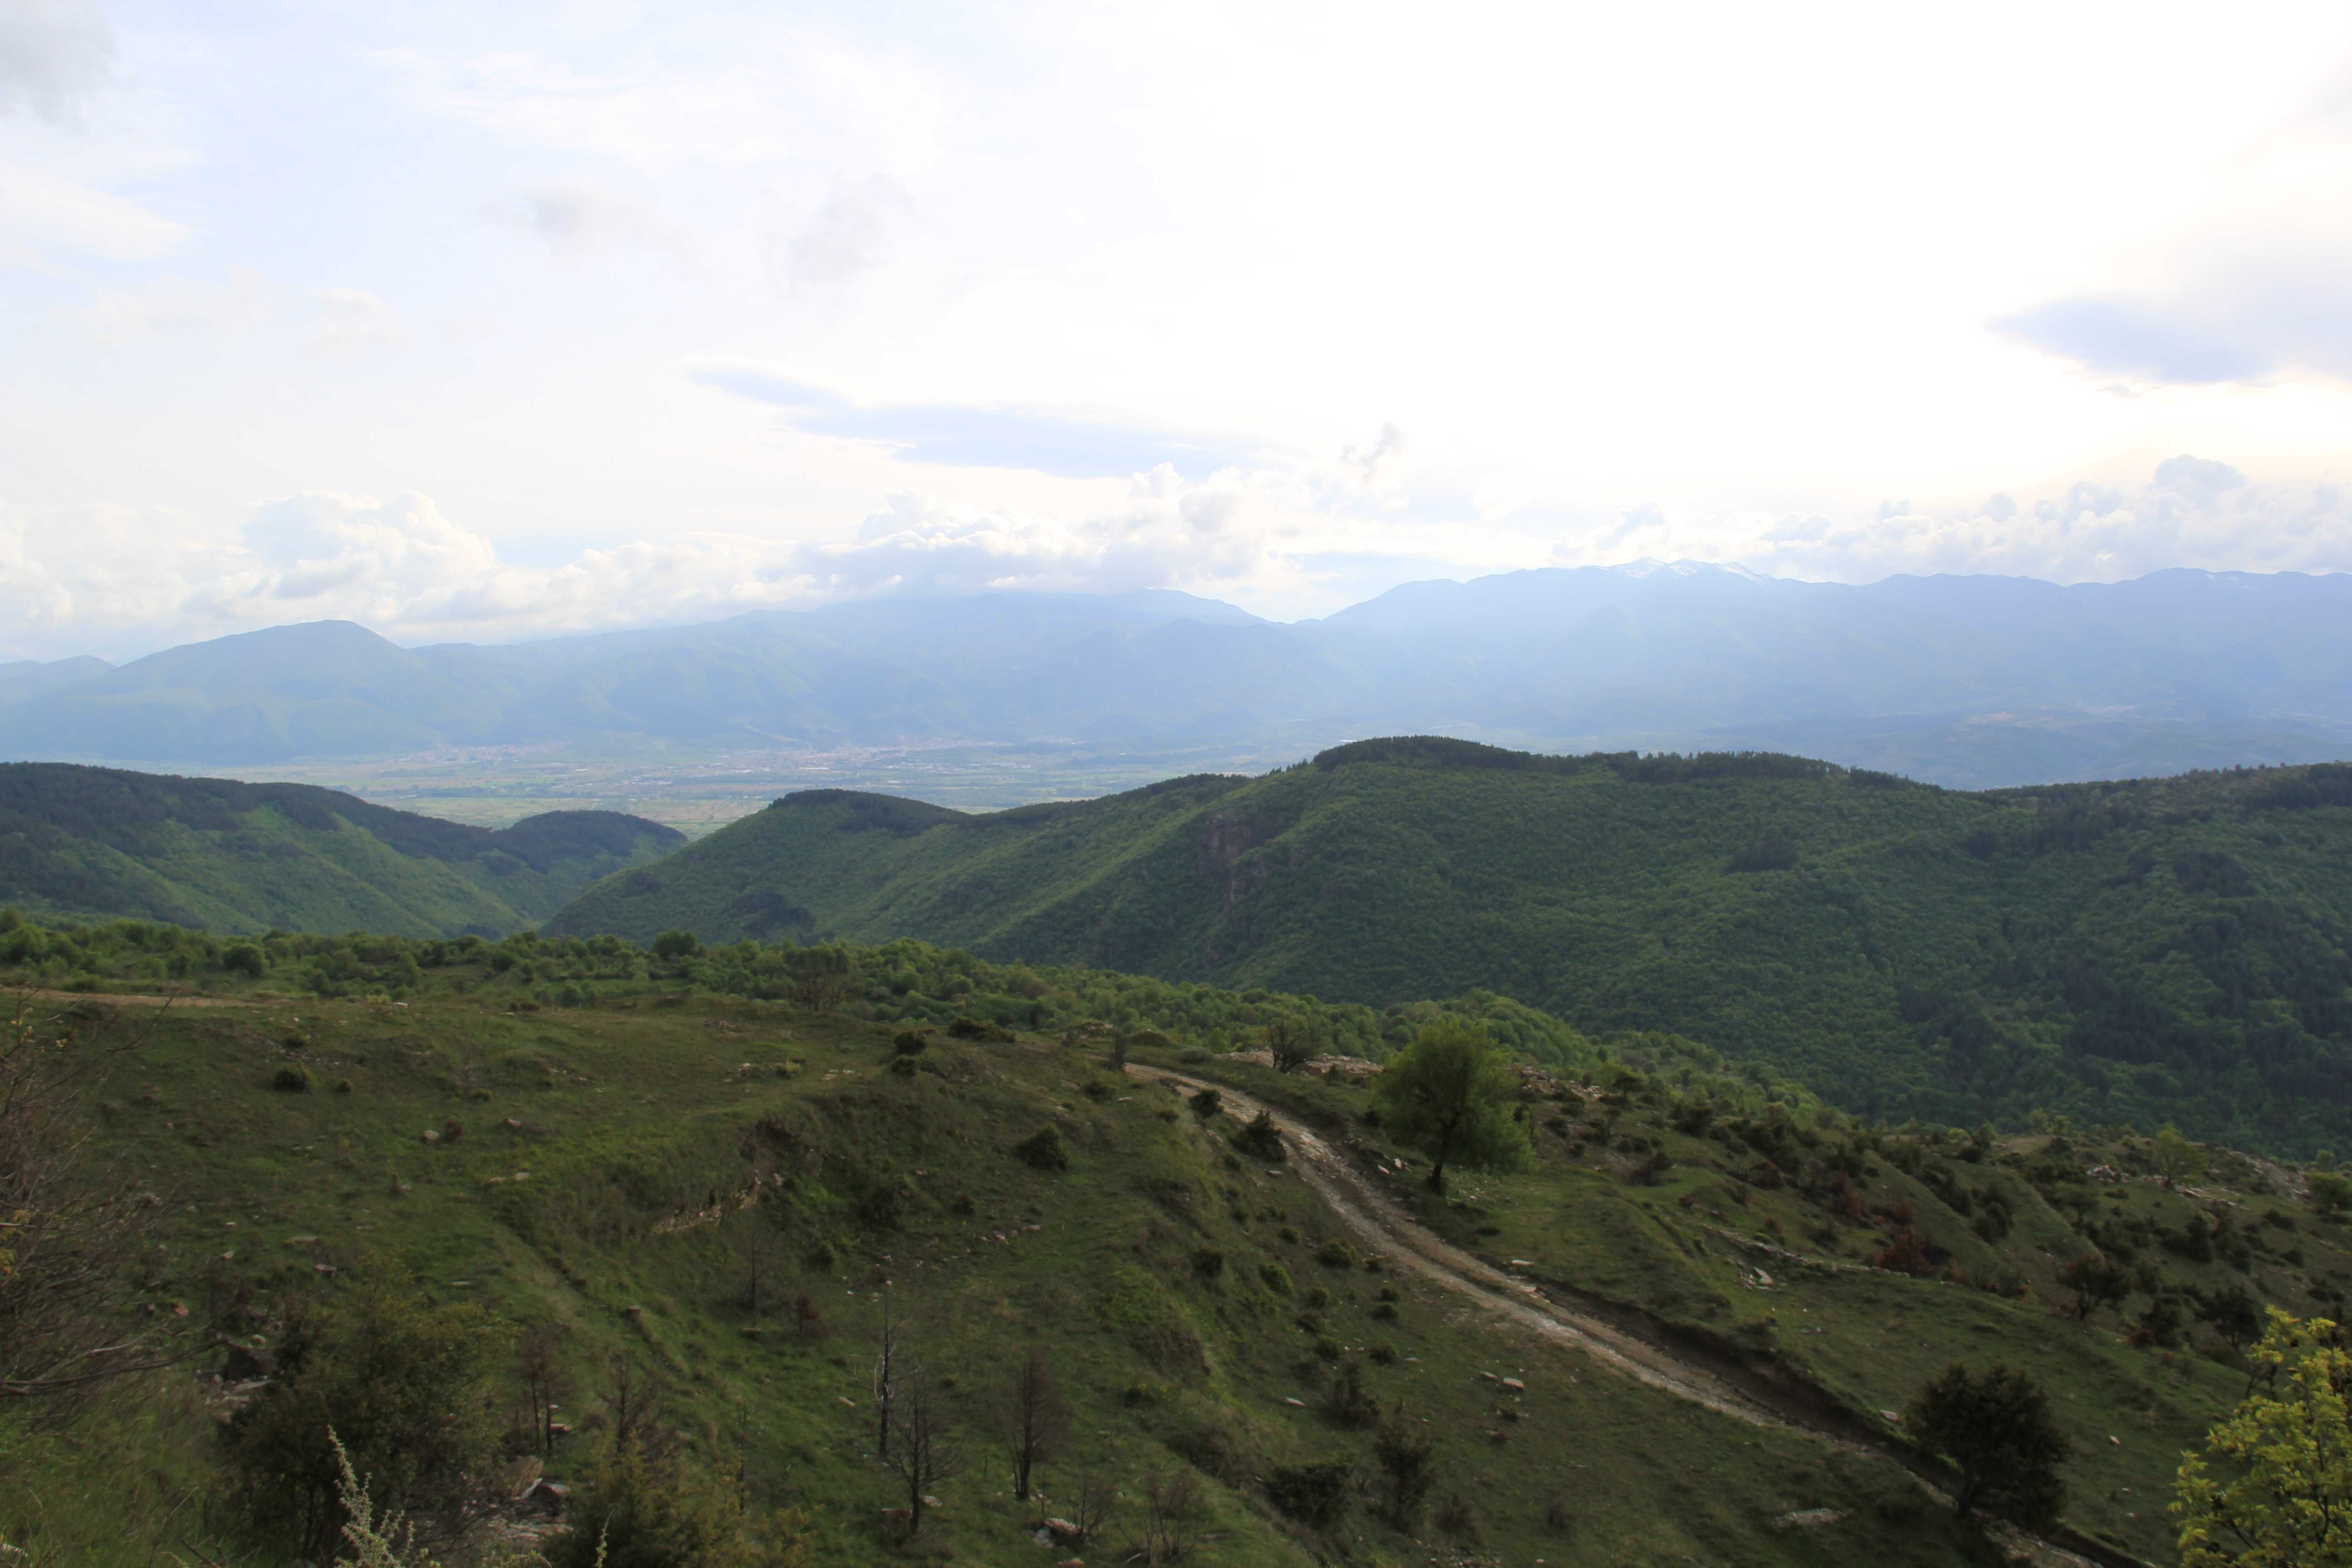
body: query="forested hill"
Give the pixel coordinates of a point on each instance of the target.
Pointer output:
(231, 857)
(2171, 950)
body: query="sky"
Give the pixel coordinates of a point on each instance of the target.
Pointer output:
(489, 322)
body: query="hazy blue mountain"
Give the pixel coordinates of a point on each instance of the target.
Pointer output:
(30, 677)
(1972, 681)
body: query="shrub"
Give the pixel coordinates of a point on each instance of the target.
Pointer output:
(1458, 1519)
(905, 1066)
(1277, 1278)
(242, 958)
(1407, 1456)
(965, 1029)
(292, 1078)
(406, 1386)
(1336, 1254)
(1316, 1495)
(1348, 1402)
(1260, 1140)
(648, 1507)
(1209, 1262)
(1043, 1151)
(1207, 1104)
(909, 1043)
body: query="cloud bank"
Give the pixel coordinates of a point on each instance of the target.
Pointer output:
(401, 566)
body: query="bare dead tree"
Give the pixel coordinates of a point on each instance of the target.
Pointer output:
(1096, 1501)
(540, 1373)
(889, 1370)
(1171, 1514)
(1035, 1418)
(755, 1244)
(636, 1400)
(929, 1451)
(73, 1230)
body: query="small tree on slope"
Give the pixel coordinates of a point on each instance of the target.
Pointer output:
(1994, 1428)
(1449, 1096)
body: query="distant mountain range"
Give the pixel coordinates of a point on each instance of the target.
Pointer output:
(1969, 681)
(2172, 949)
(95, 843)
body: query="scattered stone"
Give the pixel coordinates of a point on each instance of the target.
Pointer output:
(1808, 1518)
(1295, 1404)
(519, 1479)
(1515, 1384)
(428, 1136)
(1064, 1529)
(549, 1497)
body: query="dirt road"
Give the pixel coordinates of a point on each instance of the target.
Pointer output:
(1381, 1222)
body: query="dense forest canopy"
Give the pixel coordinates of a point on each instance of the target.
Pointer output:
(235, 856)
(2136, 952)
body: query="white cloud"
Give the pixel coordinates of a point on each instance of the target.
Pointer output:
(351, 321)
(845, 236)
(169, 304)
(1374, 460)
(53, 55)
(42, 211)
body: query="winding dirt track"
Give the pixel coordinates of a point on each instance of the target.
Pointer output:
(1381, 1222)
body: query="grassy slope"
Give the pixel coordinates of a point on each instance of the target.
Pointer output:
(630, 1117)
(88, 842)
(635, 1111)
(2170, 950)
(1687, 1250)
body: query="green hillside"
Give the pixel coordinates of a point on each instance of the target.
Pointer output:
(230, 857)
(2132, 953)
(621, 1144)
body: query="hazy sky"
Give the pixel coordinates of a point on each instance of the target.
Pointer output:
(487, 320)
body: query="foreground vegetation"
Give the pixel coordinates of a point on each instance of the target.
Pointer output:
(2166, 950)
(660, 1210)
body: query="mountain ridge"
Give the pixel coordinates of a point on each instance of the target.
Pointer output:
(238, 858)
(2138, 952)
(1969, 681)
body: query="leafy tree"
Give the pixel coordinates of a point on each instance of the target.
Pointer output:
(2287, 1452)
(404, 1388)
(2096, 1282)
(2176, 1159)
(2233, 1313)
(2330, 1190)
(821, 976)
(1997, 1431)
(675, 944)
(1448, 1095)
(1291, 1043)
